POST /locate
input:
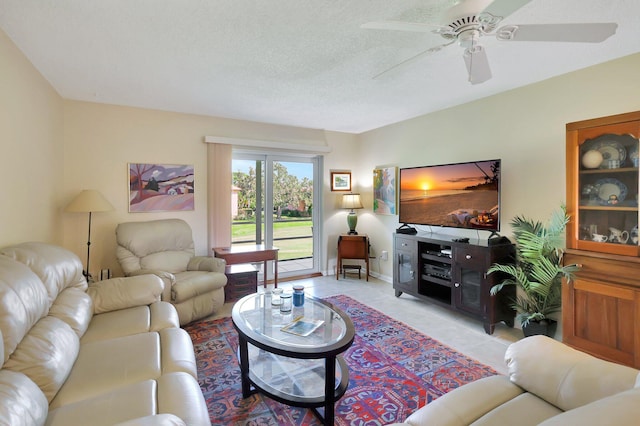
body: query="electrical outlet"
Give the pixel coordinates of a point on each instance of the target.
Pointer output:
(384, 255)
(105, 274)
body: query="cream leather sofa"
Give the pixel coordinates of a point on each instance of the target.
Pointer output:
(548, 384)
(107, 354)
(193, 284)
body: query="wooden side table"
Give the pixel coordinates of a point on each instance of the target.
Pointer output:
(241, 281)
(353, 247)
(250, 254)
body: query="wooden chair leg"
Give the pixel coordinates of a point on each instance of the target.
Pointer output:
(367, 263)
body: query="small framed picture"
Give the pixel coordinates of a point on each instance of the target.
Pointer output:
(341, 181)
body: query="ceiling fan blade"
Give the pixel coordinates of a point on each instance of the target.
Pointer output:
(411, 59)
(583, 33)
(504, 8)
(475, 58)
(399, 26)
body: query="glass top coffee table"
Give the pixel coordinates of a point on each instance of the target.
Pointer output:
(301, 370)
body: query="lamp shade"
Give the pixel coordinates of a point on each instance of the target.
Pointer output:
(351, 201)
(87, 201)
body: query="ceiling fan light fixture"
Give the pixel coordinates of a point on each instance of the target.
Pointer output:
(469, 38)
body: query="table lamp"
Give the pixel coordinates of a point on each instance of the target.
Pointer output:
(352, 201)
(88, 201)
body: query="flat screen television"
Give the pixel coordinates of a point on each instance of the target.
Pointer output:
(461, 195)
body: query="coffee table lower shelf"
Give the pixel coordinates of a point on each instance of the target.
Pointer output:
(296, 381)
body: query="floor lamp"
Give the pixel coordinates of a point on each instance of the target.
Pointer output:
(88, 201)
(352, 201)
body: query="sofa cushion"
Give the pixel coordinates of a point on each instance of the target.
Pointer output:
(511, 412)
(74, 307)
(127, 402)
(157, 420)
(126, 322)
(23, 403)
(105, 365)
(574, 378)
(170, 260)
(46, 355)
(177, 352)
(616, 410)
(58, 268)
(190, 406)
(176, 393)
(23, 301)
(163, 315)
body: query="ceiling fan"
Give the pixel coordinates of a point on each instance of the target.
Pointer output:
(469, 20)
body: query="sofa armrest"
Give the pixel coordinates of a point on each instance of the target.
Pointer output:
(121, 293)
(168, 279)
(563, 376)
(166, 276)
(206, 263)
(155, 420)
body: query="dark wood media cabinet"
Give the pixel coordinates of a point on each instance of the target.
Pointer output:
(453, 274)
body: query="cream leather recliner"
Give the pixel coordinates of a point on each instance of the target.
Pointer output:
(193, 284)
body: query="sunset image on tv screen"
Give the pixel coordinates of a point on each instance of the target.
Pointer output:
(464, 195)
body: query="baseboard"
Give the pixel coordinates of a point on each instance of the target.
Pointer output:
(381, 277)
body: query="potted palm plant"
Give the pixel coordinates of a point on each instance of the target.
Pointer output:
(537, 272)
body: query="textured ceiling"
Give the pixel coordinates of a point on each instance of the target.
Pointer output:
(293, 62)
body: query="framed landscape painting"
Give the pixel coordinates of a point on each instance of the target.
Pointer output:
(385, 190)
(160, 187)
(341, 181)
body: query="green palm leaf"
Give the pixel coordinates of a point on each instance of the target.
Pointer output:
(538, 271)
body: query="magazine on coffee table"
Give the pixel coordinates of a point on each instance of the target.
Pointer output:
(302, 326)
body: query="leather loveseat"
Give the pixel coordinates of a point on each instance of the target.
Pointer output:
(106, 354)
(549, 384)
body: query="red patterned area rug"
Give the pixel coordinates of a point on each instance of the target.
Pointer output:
(393, 370)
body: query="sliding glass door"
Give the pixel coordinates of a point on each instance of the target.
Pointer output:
(273, 204)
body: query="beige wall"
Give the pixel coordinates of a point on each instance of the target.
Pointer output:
(52, 149)
(524, 127)
(31, 151)
(100, 140)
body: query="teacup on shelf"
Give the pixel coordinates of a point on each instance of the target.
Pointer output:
(599, 238)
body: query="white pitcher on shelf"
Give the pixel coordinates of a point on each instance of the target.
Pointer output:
(618, 236)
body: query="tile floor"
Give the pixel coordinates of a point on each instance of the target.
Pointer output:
(462, 333)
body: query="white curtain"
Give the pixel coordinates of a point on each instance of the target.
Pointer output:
(219, 157)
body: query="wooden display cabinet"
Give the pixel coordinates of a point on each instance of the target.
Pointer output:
(601, 307)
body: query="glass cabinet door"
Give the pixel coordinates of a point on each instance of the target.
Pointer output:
(468, 286)
(602, 194)
(406, 273)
